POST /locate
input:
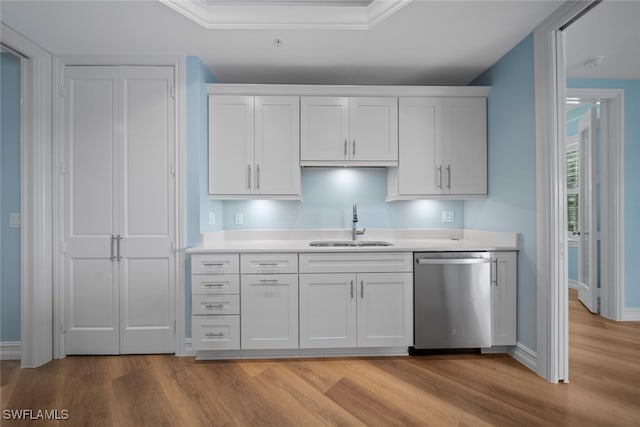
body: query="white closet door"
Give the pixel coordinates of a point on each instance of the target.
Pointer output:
(146, 193)
(90, 273)
(119, 210)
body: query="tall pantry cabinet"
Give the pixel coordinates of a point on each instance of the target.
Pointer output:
(118, 210)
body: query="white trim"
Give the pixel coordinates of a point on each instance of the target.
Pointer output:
(573, 284)
(10, 350)
(178, 64)
(345, 90)
(631, 314)
(35, 195)
(276, 15)
(301, 353)
(498, 349)
(612, 199)
(551, 237)
(525, 355)
(181, 190)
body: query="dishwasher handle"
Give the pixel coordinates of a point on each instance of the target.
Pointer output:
(453, 260)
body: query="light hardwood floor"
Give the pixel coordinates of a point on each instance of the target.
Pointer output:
(467, 390)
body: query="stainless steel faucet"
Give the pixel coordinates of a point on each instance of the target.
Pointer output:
(354, 228)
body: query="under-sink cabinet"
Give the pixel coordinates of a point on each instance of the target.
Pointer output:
(442, 146)
(348, 131)
(254, 146)
(350, 306)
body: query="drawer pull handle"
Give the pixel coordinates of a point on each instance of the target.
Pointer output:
(268, 280)
(214, 334)
(211, 284)
(213, 264)
(267, 264)
(213, 306)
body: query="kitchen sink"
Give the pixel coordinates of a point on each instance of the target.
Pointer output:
(349, 243)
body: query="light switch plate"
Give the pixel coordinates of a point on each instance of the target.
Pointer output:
(212, 218)
(239, 218)
(14, 220)
(448, 216)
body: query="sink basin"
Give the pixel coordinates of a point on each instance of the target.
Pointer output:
(349, 243)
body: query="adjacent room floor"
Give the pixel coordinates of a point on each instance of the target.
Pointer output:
(467, 389)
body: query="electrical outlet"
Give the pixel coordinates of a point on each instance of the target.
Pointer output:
(448, 216)
(212, 218)
(239, 218)
(14, 220)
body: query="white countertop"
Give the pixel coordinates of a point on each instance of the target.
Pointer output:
(260, 241)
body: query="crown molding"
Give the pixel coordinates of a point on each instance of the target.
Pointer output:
(292, 15)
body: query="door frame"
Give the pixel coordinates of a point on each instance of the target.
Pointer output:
(35, 199)
(59, 64)
(611, 198)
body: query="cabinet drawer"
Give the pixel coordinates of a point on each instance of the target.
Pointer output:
(216, 332)
(214, 263)
(370, 262)
(215, 284)
(215, 304)
(269, 263)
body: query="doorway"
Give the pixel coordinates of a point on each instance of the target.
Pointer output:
(10, 72)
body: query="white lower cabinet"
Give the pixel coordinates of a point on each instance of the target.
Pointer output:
(269, 311)
(215, 302)
(503, 298)
(356, 309)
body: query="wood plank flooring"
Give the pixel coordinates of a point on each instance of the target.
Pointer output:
(436, 390)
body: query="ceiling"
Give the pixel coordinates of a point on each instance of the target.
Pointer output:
(611, 30)
(421, 43)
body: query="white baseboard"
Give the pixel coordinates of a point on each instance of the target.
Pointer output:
(525, 355)
(573, 284)
(10, 350)
(631, 314)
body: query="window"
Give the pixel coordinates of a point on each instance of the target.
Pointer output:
(573, 190)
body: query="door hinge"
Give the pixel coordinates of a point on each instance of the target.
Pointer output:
(62, 168)
(63, 247)
(63, 91)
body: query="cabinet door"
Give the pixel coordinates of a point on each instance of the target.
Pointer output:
(420, 133)
(269, 304)
(146, 210)
(91, 275)
(385, 309)
(277, 145)
(327, 310)
(231, 145)
(465, 146)
(324, 125)
(503, 298)
(373, 129)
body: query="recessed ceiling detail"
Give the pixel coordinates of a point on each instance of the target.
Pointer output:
(287, 14)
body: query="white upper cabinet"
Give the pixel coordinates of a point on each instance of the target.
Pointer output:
(442, 148)
(349, 131)
(465, 146)
(254, 146)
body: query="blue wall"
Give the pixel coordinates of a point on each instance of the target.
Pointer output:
(10, 202)
(631, 178)
(198, 204)
(511, 205)
(328, 195)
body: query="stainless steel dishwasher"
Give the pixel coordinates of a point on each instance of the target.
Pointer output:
(452, 300)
